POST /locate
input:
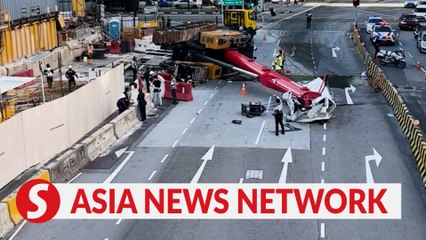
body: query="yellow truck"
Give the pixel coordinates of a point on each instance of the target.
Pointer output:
(237, 18)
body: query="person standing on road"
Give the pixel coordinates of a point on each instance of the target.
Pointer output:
(147, 76)
(173, 87)
(90, 52)
(277, 65)
(49, 75)
(135, 67)
(142, 105)
(71, 75)
(376, 46)
(308, 19)
(278, 115)
(123, 103)
(169, 22)
(282, 54)
(156, 95)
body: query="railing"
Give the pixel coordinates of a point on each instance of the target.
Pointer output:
(4, 19)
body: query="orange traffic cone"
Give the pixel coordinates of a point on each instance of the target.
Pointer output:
(264, 37)
(243, 90)
(418, 66)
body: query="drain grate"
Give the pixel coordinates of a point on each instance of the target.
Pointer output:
(254, 174)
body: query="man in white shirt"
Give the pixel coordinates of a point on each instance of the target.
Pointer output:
(278, 114)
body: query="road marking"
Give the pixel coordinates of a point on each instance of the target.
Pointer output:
(74, 178)
(119, 221)
(410, 54)
(275, 53)
(423, 70)
(199, 111)
(322, 181)
(118, 169)
(260, 132)
(312, 57)
(18, 230)
(315, 67)
(174, 144)
(324, 138)
(216, 87)
(297, 14)
(152, 175)
(211, 95)
(193, 119)
(207, 157)
(322, 230)
(313, 62)
(164, 158)
(241, 180)
(106, 238)
(205, 103)
(279, 40)
(400, 44)
(323, 151)
(184, 131)
(287, 159)
(325, 126)
(269, 103)
(323, 166)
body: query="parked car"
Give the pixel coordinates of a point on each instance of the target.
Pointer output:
(421, 43)
(420, 11)
(384, 34)
(165, 3)
(408, 21)
(409, 3)
(371, 21)
(150, 9)
(184, 4)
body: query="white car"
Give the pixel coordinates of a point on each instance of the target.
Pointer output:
(384, 34)
(184, 4)
(410, 3)
(371, 22)
(420, 12)
(150, 9)
(421, 43)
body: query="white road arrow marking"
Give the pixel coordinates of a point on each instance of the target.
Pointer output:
(348, 97)
(120, 152)
(333, 51)
(375, 157)
(207, 157)
(286, 160)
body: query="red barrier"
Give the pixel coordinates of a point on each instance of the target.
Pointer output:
(113, 47)
(183, 91)
(25, 73)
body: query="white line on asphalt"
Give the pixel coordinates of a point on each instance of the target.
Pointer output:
(17, 230)
(278, 43)
(312, 57)
(211, 95)
(400, 44)
(152, 175)
(74, 178)
(106, 239)
(322, 230)
(269, 103)
(315, 67)
(241, 180)
(410, 54)
(205, 103)
(118, 169)
(260, 132)
(164, 158)
(322, 181)
(423, 70)
(119, 221)
(199, 111)
(323, 151)
(313, 62)
(192, 121)
(323, 166)
(275, 53)
(216, 87)
(184, 131)
(325, 126)
(324, 138)
(174, 144)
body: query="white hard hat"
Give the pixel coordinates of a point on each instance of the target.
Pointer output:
(151, 73)
(69, 66)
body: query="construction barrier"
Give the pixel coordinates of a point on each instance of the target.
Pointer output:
(64, 167)
(124, 122)
(6, 223)
(99, 141)
(10, 200)
(25, 73)
(407, 122)
(183, 91)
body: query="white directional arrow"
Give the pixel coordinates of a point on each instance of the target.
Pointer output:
(348, 97)
(375, 157)
(207, 157)
(120, 152)
(333, 51)
(286, 160)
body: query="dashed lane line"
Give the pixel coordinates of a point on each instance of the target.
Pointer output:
(152, 175)
(322, 230)
(410, 54)
(193, 119)
(74, 178)
(241, 180)
(205, 103)
(322, 166)
(325, 126)
(184, 131)
(269, 103)
(174, 144)
(164, 158)
(260, 132)
(400, 44)
(323, 151)
(211, 95)
(199, 111)
(324, 138)
(119, 221)
(423, 70)
(322, 181)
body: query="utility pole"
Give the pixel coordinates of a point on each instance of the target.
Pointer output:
(60, 72)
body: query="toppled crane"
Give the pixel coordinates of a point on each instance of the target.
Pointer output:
(181, 33)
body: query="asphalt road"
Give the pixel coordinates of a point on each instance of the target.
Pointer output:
(334, 152)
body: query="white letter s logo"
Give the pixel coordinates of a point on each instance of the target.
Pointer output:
(37, 200)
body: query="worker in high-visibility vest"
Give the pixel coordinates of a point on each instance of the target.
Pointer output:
(90, 51)
(48, 72)
(277, 65)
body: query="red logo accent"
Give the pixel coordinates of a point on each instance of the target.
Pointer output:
(38, 201)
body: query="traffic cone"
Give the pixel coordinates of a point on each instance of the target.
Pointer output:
(418, 66)
(264, 37)
(243, 90)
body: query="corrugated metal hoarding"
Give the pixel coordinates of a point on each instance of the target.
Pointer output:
(27, 8)
(65, 5)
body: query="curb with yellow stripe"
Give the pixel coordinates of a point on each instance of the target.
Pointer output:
(10, 216)
(406, 121)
